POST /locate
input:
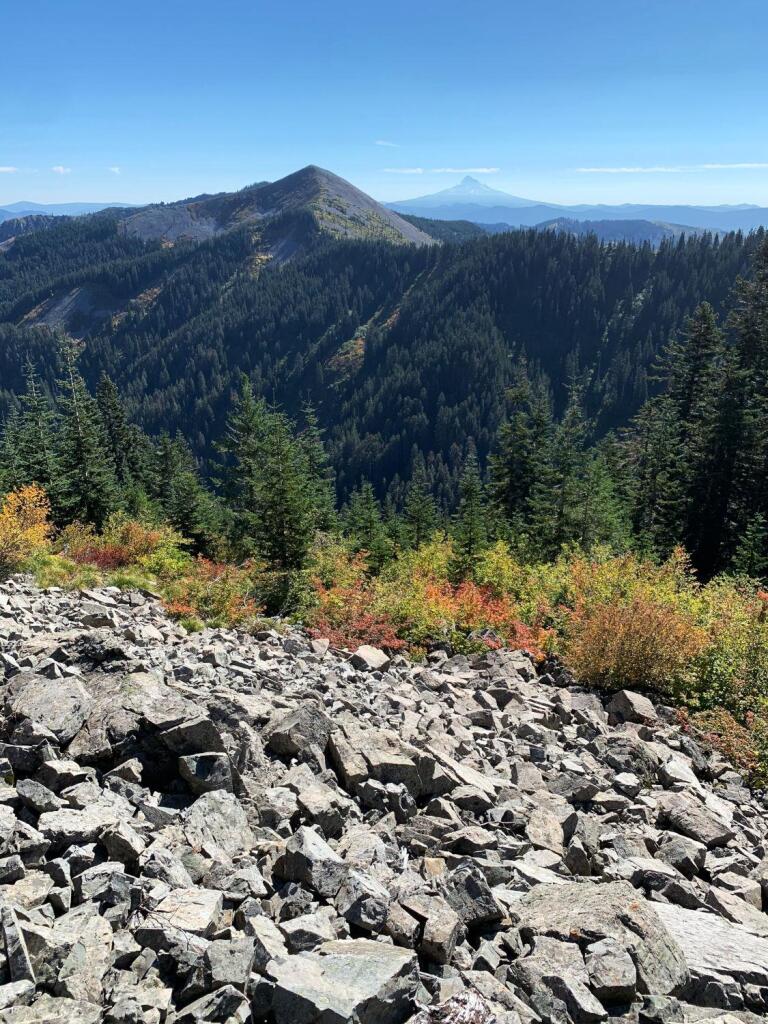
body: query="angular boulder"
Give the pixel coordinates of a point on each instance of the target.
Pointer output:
(355, 980)
(586, 913)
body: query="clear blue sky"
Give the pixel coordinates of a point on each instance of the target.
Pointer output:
(138, 101)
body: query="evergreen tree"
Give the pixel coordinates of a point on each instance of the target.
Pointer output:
(419, 511)
(267, 480)
(751, 556)
(193, 511)
(470, 525)
(749, 326)
(319, 472)
(11, 474)
(35, 439)
(554, 513)
(242, 449)
(523, 450)
(115, 426)
(87, 485)
(600, 514)
(284, 515)
(364, 524)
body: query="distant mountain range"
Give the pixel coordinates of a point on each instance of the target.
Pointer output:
(472, 200)
(637, 231)
(27, 209)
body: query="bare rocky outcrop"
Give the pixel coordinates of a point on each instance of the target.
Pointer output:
(232, 828)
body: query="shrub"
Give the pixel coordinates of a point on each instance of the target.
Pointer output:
(744, 744)
(54, 570)
(24, 527)
(642, 644)
(413, 603)
(103, 556)
(214, 593)
(122, 542)
(343, 606)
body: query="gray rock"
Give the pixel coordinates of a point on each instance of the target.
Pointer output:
(308, 931)
(229, 962)
(628, 706)
(206, 772)
(19, 963)
(49, 1009)
(294, 733)
(268, 942)
(363, 901)
(217, 825)
(612, 974)
(613, 910)
(684, 813)
(226, 1004)
(441, 925)
(358, 980)
(194, 910)
(370, 659)
(60, 706)
(310, 860)
(719, 955)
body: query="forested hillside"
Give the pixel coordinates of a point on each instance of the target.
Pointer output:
(401, 349)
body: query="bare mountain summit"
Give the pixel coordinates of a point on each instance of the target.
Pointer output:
(311, 198)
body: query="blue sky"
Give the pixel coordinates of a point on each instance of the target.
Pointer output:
(560, 100)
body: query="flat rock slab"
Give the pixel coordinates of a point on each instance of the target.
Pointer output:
(360, 980)
(586, 913)
(715, 949)
(71, 825)
(192, 910)
(50, 1010)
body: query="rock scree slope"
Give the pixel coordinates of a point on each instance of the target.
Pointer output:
(226, 827)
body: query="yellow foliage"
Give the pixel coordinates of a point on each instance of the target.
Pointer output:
(24, 526)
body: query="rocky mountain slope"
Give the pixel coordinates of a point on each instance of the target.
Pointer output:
(338, 207)
(233, 828)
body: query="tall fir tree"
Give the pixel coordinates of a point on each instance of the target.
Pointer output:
(116, 426)
(36, 436)
(364, 523)
(523, 450)
(87, 485)
(319, 471)
(420, 516)
(748, 324)
(266, 479)
(470, 524)
(554, 517)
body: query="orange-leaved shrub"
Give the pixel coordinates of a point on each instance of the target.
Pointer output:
(412, 602)
(214, 593)
(641, 644)
(24, 526)
(122, 542)
(342, 604)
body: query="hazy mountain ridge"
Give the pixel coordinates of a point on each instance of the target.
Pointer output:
(474, 201)
(637, 231)
(25, 209)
